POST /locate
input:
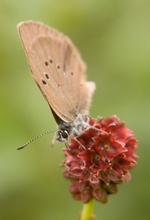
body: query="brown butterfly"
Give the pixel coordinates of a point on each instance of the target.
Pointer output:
(59, 72)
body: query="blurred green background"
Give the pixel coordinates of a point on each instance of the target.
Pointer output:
(114, 40)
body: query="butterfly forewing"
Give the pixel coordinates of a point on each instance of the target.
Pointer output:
(58, 69)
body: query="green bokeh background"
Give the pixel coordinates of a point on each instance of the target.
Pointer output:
(114, 40)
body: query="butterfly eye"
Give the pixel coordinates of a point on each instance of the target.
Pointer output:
(65, 134)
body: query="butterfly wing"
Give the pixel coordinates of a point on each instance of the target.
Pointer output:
(57, 68)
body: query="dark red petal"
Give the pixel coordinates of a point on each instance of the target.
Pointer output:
(100, 194)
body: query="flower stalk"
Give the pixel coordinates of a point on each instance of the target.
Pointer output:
(87, 211)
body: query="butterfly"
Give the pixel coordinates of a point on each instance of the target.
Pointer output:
(59, 71)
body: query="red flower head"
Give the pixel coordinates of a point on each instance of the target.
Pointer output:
(99, 159)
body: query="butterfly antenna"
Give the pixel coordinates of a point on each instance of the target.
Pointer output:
(33, 139)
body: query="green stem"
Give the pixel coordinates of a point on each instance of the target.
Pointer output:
(87, 210)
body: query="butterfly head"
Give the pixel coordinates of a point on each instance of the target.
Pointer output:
(73, 129)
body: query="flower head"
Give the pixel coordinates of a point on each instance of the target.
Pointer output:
(99, 159)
